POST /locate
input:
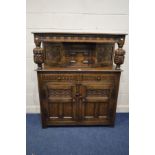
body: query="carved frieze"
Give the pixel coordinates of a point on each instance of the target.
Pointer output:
(98, 92)
(59, 92)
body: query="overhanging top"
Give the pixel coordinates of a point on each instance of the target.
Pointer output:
(79, 37)
(80, 33)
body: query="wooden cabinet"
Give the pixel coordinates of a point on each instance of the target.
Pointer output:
(78, 84)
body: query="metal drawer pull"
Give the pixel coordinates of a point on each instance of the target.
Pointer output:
(59, 78)
(98, 78)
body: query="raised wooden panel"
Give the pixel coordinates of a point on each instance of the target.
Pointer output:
(104, 54)
(60, 101)
(53, 54)
(89, 109)
(53, 110)
(103, 109)
(68, 110)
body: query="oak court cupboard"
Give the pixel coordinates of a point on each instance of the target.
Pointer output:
(78, 77)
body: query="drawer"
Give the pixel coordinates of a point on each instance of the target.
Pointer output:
(79, 76)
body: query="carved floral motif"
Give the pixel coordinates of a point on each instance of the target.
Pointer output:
(98, 92)
(60, 92)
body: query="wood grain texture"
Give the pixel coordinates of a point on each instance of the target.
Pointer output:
(86, 101)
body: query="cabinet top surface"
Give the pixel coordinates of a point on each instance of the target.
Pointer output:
(99, 69)
(78, 33)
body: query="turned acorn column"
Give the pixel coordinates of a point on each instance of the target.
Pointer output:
(119, 53)
(38, 53)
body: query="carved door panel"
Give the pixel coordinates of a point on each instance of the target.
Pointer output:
(104, 54)
(61, 101)
(96, 102)
(54, 55)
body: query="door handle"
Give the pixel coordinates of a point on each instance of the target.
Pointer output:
(77, 94)
(83, 99)
(73, 99)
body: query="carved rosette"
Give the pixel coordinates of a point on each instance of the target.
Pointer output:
(38, 54)
(119, 54)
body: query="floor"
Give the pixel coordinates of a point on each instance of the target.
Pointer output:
(78, 140)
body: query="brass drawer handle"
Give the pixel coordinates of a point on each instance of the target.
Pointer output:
(98, 78)
(59, 78)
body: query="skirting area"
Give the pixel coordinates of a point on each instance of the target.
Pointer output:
(78, 140)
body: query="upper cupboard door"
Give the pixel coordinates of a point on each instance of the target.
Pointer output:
(96, 101)
(104, 54)
(61, 104)
(54, 54)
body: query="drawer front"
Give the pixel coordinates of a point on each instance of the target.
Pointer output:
(74, 77)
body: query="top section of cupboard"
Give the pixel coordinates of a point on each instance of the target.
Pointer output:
(84, 50)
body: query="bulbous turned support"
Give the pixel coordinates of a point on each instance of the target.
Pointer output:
(119, 58)
(119, 54)
(38, 54)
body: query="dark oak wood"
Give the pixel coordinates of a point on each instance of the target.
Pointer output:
(78, 83)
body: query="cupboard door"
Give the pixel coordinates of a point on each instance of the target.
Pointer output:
(61, 102)
(96, 102)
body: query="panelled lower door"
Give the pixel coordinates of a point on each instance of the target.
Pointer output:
(61, 103)
(96, 103)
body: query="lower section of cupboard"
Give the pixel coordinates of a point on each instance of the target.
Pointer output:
(78, 98)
